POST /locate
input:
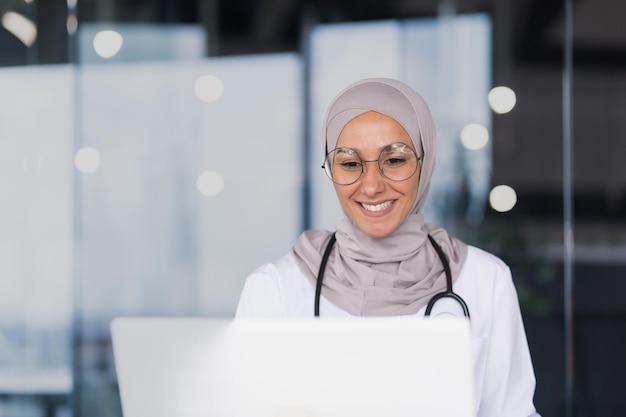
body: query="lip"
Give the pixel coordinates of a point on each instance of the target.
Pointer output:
(376, 213)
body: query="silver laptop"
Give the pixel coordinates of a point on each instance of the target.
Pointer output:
(206, 367)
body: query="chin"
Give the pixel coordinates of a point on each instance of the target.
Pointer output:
(378, 232)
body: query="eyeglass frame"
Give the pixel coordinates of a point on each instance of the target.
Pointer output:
(328, 171)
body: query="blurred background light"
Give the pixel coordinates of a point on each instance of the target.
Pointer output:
(87, 160)
(210, 183)
(474, 136)
(501, 99)
(107, 43)
(209, 88)
(502, 198)
(71, 24)
(32, 162)
(21, 27)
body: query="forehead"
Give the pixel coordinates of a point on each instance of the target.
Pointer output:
(372, 130)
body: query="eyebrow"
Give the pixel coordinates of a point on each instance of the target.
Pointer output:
(380, 149)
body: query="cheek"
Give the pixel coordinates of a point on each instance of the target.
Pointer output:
(344, 194)
(343, 191)
(412, 193)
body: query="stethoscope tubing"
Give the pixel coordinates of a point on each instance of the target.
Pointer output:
(320, 275)
(448, 293)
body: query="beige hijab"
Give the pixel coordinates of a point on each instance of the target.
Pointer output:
(399, 273)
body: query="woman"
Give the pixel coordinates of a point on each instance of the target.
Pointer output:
(381, 144)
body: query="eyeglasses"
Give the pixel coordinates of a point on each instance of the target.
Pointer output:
(396, 161)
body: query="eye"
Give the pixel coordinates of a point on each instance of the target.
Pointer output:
(347, 159)
(394, 161)
(396, 155)
(351, 165)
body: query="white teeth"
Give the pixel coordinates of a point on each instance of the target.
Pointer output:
(377, 207)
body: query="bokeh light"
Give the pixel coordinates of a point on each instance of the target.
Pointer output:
(21, 27)
(501, 99)
(502, 198)
(209, 88)
(71, 24)
(474, 136)
(87, 160)
(210, 183)
(107, 43)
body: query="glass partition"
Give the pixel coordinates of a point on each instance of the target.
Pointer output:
(173, 216)
(37, 220)
(36, 238)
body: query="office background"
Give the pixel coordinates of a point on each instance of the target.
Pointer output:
(153, 153)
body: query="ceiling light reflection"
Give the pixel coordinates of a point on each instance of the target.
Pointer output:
(210, 183)
(501, 99)
(107, 43)
(32, 162)
(474, 136)
(502, 198)
(87, 160)
(21, 27)
(209, 88)
(71, 24)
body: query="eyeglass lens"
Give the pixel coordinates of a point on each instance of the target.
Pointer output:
(396, 161)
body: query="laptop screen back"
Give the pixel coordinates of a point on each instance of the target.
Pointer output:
(193, 367)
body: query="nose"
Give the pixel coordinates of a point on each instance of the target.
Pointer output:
(372, 180)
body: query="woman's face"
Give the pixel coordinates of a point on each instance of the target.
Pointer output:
(376, 204)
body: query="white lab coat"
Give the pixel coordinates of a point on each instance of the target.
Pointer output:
(504, 380)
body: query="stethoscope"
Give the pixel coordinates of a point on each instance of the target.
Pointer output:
(448, 293)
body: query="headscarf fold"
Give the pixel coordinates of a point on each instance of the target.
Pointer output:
(399, 273)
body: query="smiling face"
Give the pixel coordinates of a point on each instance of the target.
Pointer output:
(376, 204)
